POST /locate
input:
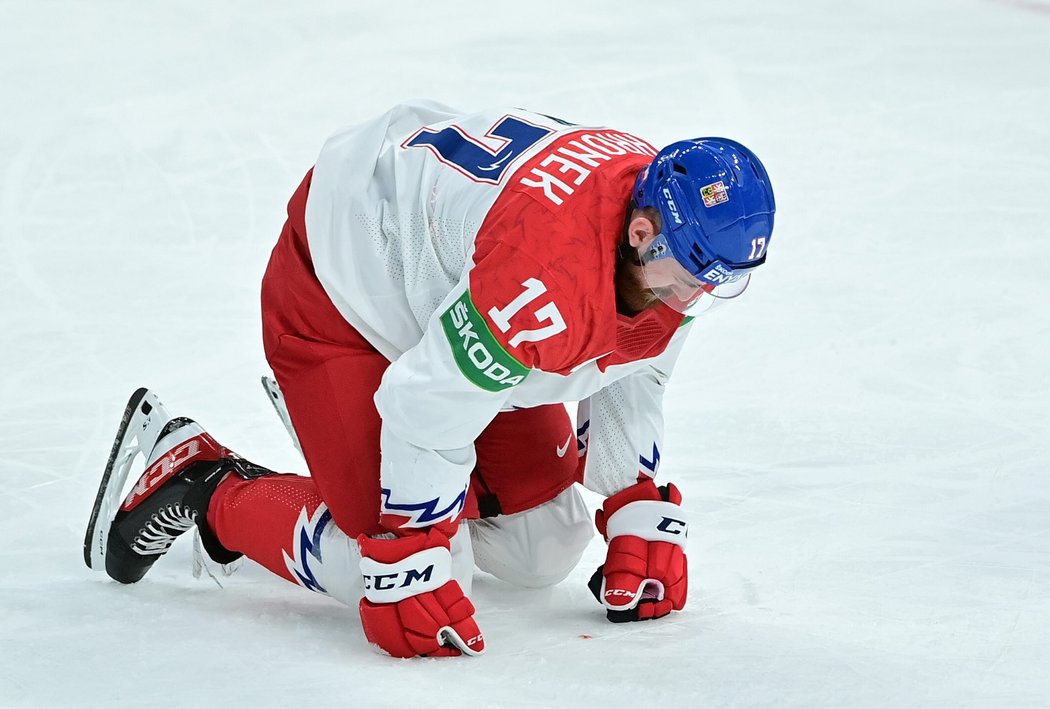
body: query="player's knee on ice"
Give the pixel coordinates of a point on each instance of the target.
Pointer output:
(537, 547)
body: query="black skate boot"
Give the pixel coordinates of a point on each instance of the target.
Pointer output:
(184, 465)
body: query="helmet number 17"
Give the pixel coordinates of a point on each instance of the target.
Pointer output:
(758, 247)
(548, 312)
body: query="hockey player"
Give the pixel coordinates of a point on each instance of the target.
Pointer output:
(443, 284)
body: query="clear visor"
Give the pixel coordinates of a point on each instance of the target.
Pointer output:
(679, 289)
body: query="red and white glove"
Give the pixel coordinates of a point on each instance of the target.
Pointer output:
(412, 606)
(645, 574)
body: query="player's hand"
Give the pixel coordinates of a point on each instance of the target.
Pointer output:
(645, 574)
(412, 606)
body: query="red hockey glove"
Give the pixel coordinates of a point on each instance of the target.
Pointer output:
(412, 607)
(645, 574)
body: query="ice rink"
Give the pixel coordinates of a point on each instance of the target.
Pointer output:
(863, 441)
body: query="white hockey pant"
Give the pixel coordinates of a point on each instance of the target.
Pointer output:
(534, 548)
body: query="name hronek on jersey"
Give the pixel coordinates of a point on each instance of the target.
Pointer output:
(576, 159)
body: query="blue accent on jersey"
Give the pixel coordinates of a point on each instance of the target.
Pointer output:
(651, 464)
(475, 159)
(423, 513)
(310, 545)
(581, 436)
(561, 121)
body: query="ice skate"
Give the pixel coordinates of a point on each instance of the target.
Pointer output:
(183, 465)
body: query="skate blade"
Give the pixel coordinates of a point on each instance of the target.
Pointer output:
(140, 425)
(273, 393)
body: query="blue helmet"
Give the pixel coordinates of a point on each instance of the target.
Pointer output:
(716, 205)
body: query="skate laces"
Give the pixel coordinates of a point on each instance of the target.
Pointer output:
(201, 562)
(161, 529)
(168, 523)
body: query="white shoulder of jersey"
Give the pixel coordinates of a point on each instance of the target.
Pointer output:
(396, 203)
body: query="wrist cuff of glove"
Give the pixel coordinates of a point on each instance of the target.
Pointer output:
(651, 520)
(422, 572)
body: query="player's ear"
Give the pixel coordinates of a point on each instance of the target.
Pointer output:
(640, 229)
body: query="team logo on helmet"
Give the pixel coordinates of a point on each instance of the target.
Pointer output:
(714, 193)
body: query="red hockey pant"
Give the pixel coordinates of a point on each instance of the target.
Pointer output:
(329, 374)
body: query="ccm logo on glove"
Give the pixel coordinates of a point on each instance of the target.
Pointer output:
(639, 519)
(672, 526)
(385, 582)
(427, 570)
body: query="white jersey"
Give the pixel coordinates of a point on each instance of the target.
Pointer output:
(476, 252)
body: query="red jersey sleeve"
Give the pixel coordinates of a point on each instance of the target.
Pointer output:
(545, 256)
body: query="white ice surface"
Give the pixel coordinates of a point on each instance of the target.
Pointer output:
(863, 441)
